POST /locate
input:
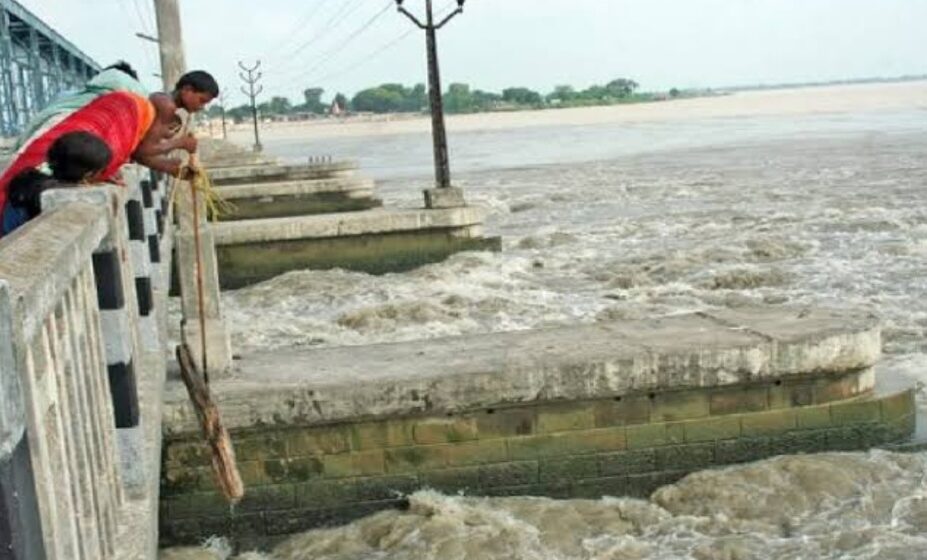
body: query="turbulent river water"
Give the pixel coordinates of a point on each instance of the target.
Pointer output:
(611, 222)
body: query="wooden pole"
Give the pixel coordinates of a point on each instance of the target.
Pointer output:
(170, 42)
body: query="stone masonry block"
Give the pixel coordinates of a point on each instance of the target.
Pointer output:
(712, 429)
(444, 430)
(739, 399)
(276, 471)
(509, 474)
(317, 441)
(261, 447)
(304, 468)
(176, 481)
(198, 504)
(743, 450)
(772, 422)
(835, 388)
(386, 433)
(898, 406)
(570, 468)
(361, 463)
(622, 411)
(248, 525)
(628, 462)
(415, 458)
(264, 498)
(186, 454)
(679, 405)
(799, 441)
(465, 479)
(692, 456)
(648, 435)
(790, 394)
(565, 417)
(844, 438)
(810, 417)
(385, 487)
(595, 488)
(320, 494)
(252, 473)
(507, 422)
(568, 443)
(857, 412)
(476, 452)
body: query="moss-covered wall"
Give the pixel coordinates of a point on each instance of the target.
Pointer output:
(300, 477)
(242, 265)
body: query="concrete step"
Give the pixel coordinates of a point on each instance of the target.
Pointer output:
(299, 198)
(276, 172)
(374, 241)
(696, 352)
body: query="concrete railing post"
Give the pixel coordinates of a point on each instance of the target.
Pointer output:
(19, 510)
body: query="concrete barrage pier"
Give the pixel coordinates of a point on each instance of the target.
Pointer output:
(322, 215)
(325, 436)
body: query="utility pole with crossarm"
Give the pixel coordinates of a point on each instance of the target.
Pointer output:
(444, 195)
(251, 80)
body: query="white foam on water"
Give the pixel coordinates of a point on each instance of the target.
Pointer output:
(828, 220)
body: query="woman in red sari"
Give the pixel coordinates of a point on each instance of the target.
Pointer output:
(131, 126)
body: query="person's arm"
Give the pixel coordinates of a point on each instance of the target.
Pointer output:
(158, 162)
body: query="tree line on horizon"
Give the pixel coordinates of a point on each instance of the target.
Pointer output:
(459, 98)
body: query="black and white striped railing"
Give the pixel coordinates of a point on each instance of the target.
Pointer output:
(81, 332)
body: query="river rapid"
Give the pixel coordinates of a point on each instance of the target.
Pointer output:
(617, 221)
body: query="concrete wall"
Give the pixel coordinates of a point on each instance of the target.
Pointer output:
(76, 287)
(304, 477)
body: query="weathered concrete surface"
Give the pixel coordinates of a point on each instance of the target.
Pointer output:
(357, 186)
(447, 197)
(345, 224)
(594, 361)
(299, 198)
(279, 172)
(376, 253)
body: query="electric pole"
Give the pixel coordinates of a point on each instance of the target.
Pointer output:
(170, 42)
(444, 195)
(253, 90)
(222, 99)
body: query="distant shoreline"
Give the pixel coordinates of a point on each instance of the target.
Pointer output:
(898, 95)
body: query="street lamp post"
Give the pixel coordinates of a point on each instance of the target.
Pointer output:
(444, 195)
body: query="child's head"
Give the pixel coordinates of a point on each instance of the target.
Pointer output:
(194, 90)
(125, 68)
(78, 157)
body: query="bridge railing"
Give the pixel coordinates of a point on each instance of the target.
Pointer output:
(76, 293)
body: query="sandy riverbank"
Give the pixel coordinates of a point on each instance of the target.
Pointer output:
(784, 102)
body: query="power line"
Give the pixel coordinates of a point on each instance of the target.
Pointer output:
(142, 20)
(370, 57)
(330, 54)
(347, 9)
(447, 8)
(303, 22)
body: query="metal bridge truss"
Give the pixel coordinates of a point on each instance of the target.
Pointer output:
(36, 64)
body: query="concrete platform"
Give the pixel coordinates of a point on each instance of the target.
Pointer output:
(273, 172)
(299, 198)
(618, 409)
(450, 375)
(374, 241)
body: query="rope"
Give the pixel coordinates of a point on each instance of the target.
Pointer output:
(200, 184)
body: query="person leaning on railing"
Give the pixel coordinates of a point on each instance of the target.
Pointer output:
(77, 158)
(131, 126)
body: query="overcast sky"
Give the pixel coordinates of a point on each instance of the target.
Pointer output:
(501, 43)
